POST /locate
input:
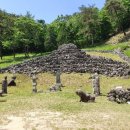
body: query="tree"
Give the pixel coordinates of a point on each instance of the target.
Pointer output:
(50, 39)
(126, 18)
(6, 28)
(42, 33)
(117, 11)
(105, 25)
(2, 26)
(90, 22)
(10, 45)
(27, 32)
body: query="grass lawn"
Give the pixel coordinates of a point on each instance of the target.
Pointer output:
(106, 55)
(62, 110)
(127, 52)
(9, 60)
(109, 46)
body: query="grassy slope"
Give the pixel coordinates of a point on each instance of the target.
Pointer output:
(103, 114)
(109, 46)
(106, 55)
(9, 60)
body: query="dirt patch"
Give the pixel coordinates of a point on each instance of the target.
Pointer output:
(39, 121)
(46, 120)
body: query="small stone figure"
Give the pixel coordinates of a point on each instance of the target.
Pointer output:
(4, 85)
(34, 83)
(58, 85)
(96, 84)
(58, 80)
(84, 97)
(12, 82)
(1, 93)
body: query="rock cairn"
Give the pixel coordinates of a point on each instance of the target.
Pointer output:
(68, 58)
(119, 95)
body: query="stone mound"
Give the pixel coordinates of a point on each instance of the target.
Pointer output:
(119, 95)
(68, 58)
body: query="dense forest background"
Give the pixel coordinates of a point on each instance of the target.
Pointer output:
(88, 27)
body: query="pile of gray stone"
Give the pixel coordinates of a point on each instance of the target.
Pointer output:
(122, 55)
(68, 58)
(119, 95)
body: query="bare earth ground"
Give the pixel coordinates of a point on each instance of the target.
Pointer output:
(41, 120)
(46, 120)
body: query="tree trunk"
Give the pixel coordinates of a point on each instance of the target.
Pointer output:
(123, 30)
(92, 40)
(14, 53)
(1, 52)
(26, 51)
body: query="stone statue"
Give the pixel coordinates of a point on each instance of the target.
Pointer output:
(55, 88)
(58, 85)
(58, 80)
(4, 85)
(34, 83)
(12, 82)
(1, 93)
(84, 97)
(96, 84)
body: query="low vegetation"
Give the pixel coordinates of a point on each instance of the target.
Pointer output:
(109, 47)
(106, 55)
(102, 114)
(87, 27)
(9, 60)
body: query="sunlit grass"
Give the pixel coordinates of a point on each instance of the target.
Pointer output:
(20, 99)
(127, 52)
(9, 60)
(110, 47)
(106, 55)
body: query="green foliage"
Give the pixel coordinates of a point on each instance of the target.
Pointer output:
(127, 52)
(9, 60)
(50, 39)
(90, 21)
(88, 27)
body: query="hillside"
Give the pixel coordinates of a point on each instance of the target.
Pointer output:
(119, 38)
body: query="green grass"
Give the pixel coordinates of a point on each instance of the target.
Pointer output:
(102, 114)
(9, 60)
(106, 55)
(109, 46)
(127, 52)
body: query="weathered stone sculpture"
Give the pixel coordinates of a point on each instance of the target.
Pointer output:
(1, 93)
(84, 97)
(58, 79)
(4, 85)
(96, 84)
(12, 82)
(34, 83)
(58, 85)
